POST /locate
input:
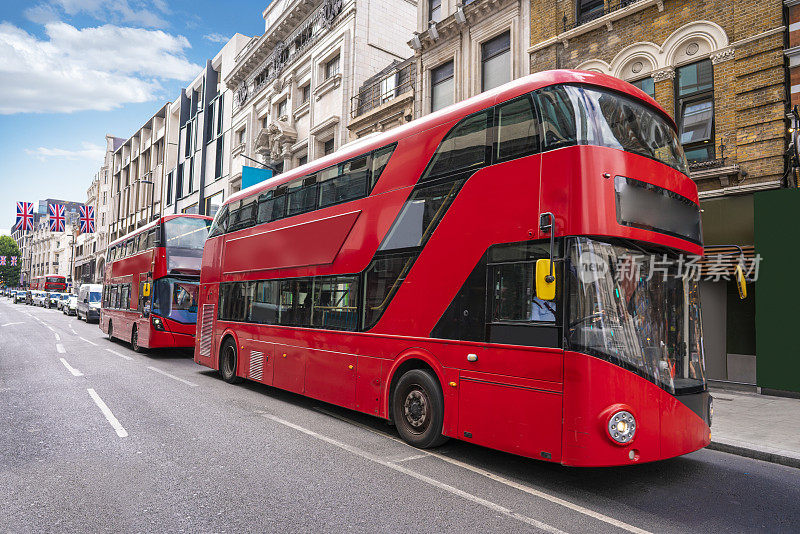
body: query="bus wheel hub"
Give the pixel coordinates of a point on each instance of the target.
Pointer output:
(416, 408)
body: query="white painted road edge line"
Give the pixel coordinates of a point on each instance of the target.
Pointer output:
(119, 354)
(497, 478)
(71, 369)
(435, 483)
(18, 322)
(58, 338)
(172, 376)
(121, 432)
(60, 348)
(86, 340)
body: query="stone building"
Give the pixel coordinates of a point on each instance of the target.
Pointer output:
(463, 48)
(42, 251)
(294, 84)
(385, 100)
(137, 177)
(199, 137)
(717, 66)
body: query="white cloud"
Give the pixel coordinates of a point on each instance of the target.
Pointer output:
(91, 68)
(89, 151)
(216, 38)
(137, 12)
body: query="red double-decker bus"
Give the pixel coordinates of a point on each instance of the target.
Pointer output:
(150, 283)
(460, 276)
(49, 282)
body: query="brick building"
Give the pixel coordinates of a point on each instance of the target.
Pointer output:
(718, 67)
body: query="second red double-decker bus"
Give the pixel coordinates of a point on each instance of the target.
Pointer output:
(150, 283)
(50, 282)
(471, 275)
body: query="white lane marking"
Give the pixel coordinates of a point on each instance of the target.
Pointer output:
(50, 327)
(60, 348)
(497, 478)
(172, 376)
(428, 480)
(87, 341)
(18, 322)
(119, 354)
(71, 369)
(409, 458)
(58, 338)
(121, 432)
(73, 330)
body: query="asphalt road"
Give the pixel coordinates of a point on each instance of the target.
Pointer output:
(97, 438)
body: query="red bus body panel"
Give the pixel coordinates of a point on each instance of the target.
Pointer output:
(543, 403)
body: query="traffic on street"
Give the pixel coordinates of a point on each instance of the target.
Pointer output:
(96, 437)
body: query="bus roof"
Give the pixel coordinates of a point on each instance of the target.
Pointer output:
(152, 224)
(457, 111)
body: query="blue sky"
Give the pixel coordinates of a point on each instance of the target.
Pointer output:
(74, 70)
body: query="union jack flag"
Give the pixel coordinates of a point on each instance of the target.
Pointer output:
(86, 217)
(13, 261)
(58, 217)
(24, 216)
(2, 260)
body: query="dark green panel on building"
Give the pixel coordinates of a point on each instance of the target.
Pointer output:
(778, 295)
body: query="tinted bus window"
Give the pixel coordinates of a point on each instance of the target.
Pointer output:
(383, 278)
(517, 129)
(464, 147)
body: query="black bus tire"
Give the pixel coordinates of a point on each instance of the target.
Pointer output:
(418, 409)
(135, 340)
(228, 362)
(110, 329)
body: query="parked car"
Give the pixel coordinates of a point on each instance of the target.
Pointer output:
(71, 307)
(63, 300)
(19, 296)
(89, 302)
(52, 300)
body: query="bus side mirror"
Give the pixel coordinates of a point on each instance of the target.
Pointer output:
(146, 289)
(741, 283)
(545, 280)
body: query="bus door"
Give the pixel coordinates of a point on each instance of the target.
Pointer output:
(510, 394)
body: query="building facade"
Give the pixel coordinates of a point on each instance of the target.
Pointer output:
(199, 138)
(385, 100)
(717, 67)
(465, 48)
(294, 84)
(137, 177)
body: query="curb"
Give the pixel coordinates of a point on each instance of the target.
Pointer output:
(789, 461)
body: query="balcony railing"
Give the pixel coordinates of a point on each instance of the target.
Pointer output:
(608, 7)
(383, 90)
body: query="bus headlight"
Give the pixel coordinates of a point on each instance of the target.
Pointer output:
(158, 324)
(622, 427)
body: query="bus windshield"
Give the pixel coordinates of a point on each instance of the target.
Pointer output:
(186, 232)
(590, 116)
(636, 310)
(184, 238)
(176, 299)
(55, 280)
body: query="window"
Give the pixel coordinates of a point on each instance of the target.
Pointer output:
(302, 160)
(179, 182)
(188, 137)
(332, 68)
(496, 62)
(240, 136)
(517, 129)
(335, 303)
(694, 99)
(349, 184)
(191, 176)
(382, 279)
(213, 203)
(442, 86)
(295, 302)
(589, 10)
(218, 155)
(380, 158)
(464, 147)
(648, 85)
(328, 147)
(264, 122)
(302, 196)
(282, 107)
(435, 10)
(305, 93)
(264, 304)
(220, 116)
(170, 178)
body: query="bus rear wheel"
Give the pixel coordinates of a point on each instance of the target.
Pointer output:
(228, 362)
(418, 409)
(135, 340)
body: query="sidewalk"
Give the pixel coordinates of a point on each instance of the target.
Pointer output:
(757, 426)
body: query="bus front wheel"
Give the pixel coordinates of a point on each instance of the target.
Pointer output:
(418, 409)
(228, 362)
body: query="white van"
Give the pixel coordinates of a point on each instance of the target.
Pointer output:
(89, 302)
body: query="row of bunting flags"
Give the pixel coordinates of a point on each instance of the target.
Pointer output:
(6, 260)
(57, 216)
